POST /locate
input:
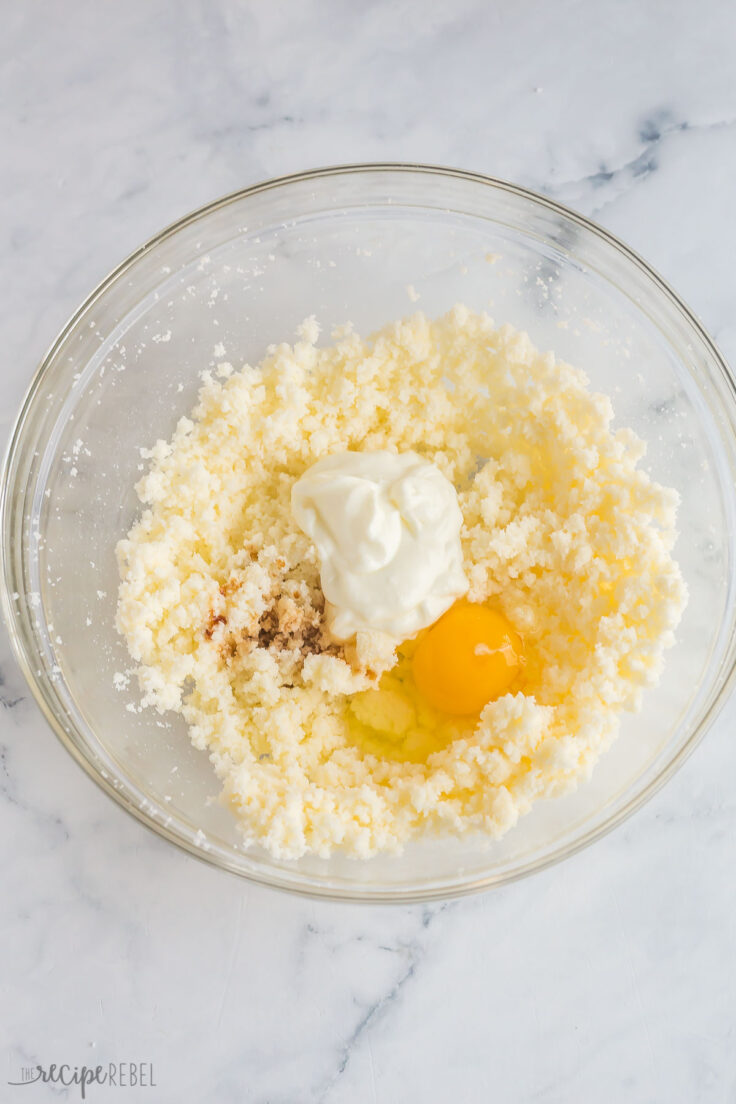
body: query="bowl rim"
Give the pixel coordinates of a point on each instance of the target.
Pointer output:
(24, 655)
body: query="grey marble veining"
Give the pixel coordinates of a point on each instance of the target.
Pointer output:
(609, 978)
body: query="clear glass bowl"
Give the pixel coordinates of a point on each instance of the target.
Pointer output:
(351, 243)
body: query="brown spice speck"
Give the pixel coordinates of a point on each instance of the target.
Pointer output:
(218, 620)
(293, 622)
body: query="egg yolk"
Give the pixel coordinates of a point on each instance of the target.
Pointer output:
(466, 659)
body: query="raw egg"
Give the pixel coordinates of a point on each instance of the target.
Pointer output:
(469, 657)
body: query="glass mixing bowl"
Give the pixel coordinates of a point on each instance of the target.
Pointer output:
(358, 243)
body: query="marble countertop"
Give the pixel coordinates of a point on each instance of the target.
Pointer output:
(609, 978)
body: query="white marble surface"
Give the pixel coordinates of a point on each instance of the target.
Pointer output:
(610, 978)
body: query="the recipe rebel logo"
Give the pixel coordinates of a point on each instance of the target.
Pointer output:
(117, 1075)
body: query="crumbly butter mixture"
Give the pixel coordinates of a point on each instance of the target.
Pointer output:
(221, 606)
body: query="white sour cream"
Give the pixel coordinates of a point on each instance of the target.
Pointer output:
(387, 530)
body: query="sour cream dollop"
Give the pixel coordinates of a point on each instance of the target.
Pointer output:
(387, 531)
